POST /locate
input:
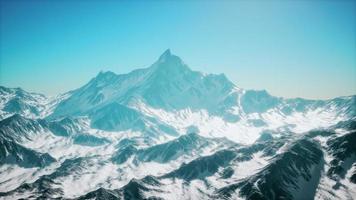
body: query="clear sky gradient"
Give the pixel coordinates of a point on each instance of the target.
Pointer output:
(290, 48)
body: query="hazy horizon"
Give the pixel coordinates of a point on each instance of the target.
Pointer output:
(291, 49)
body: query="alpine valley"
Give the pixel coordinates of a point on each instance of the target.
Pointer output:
(168, 132)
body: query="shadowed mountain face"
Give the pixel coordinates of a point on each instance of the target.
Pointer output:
(291, 175)
(168, 132)
(14, 153)
(19, 128)
(258, 101)
(190, 143)
(116, 117)
(66, 126)
(201, 167)
(343, 151)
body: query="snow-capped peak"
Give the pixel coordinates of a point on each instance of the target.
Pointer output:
(170, 63)
(105, 74)
(165, 55)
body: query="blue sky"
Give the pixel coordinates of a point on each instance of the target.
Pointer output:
(290, 48)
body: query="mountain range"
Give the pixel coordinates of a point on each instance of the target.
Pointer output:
(168, 132)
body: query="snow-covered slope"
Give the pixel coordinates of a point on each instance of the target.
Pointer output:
(28, 104)
(168, 132)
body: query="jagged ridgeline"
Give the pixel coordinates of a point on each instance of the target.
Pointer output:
(168, 132)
